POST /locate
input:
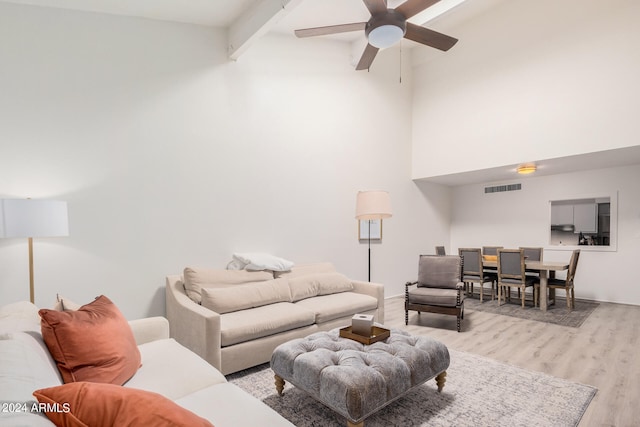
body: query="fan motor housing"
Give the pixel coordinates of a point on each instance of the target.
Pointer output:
(390, 17)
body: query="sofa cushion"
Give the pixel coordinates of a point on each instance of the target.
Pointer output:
(242, 297)
(306, 269)
(19, 316)
(310, 285)
(335, 306)
(26, 366)
(246, 325)
(94, 404)
(214, 404)
(94, 343)
(197, 278)
(172, 370)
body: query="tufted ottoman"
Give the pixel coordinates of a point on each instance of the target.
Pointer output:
(355, 379)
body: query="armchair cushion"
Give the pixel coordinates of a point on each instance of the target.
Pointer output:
(434, 296)
(440, 272)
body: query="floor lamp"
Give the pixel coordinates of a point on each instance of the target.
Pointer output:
(370, 205)
(33, 218)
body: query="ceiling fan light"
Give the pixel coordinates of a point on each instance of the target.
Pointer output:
(385, 36)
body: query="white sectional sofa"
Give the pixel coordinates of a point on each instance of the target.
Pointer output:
(167, 368)
(234, 319)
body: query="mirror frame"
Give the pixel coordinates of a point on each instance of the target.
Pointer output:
(613, 225)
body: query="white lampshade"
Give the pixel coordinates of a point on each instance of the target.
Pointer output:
(385, 36)
(373, 204)
(33, 218)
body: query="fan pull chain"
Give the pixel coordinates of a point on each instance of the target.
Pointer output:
(400, 80)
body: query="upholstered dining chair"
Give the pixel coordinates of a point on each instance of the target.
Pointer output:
(473, 271)
(532, 254)
(438, 288)
(491, 250)
(511, 273)
(440, 250)
(567, 284)
(490, 253)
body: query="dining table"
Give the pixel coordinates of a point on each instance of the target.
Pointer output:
(545, 268)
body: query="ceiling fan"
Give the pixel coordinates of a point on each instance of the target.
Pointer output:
(386, 27)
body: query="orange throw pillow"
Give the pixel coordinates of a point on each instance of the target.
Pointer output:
(94, 343)
(96, 405)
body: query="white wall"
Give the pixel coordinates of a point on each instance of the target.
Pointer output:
(528, 80)
(169, 155)
(521, 218)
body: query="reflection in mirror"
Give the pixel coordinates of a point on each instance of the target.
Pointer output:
(581, 222)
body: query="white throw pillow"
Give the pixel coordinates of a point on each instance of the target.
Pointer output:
(261, 261)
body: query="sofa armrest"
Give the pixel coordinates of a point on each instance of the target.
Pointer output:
(192, 325)
(149, 329)
(375, 290)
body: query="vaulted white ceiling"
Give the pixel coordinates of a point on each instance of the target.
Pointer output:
(247, 20)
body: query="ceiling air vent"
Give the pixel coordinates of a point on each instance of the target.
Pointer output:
(501, 188)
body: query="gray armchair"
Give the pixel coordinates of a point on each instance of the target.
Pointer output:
(439, 288)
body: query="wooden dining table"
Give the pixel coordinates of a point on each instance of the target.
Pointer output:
(545, 268)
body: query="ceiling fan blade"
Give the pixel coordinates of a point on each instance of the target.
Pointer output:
(330, 29)
(367, 57)
(429, 37)
(376, 6)
(413, 7)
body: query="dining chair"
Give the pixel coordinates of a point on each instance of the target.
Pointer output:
(438, 288)
(490, 253)
(566, 284)
(511, 273)
(473, 271)
(532, 254)
(440, 250)
(491, 250)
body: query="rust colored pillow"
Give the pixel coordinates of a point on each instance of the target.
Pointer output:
(96, 405)
(94, 343)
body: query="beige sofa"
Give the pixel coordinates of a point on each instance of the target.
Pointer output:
(234, 319)
(167, 368)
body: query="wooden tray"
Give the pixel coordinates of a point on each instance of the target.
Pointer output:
(377, 334)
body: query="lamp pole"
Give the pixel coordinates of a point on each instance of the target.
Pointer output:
(369, 236)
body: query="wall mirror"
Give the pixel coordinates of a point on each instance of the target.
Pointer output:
(586, 223)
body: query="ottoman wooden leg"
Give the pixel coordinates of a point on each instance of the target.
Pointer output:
(279, 384)
(440, 379)
(350, 424)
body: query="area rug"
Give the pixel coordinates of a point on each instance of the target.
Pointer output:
(478, 392)
(556, 314)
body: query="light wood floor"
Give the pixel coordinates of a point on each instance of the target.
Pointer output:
(603, 352)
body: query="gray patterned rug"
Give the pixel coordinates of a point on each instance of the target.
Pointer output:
(556, 314)
(478, 392)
